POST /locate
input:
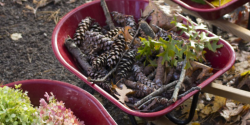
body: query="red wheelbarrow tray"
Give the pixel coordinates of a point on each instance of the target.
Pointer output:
(84, 106)
(209, 13)
(222, 60)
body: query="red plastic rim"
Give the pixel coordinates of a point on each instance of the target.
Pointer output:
(60, 54)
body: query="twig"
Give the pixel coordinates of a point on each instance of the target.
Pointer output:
(148, 14)
(80, 57)
(209, 4)
(160, 70)
(155, 93)
(169, 76)
(188, 91)
(107, 15)
(151, 104)
(180, 81)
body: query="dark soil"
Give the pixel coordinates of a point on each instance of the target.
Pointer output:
(32, 57)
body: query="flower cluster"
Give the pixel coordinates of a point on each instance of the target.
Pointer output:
(55, 113)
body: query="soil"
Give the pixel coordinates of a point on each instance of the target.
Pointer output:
(32, 57)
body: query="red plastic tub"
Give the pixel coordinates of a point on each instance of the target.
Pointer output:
(85, 106)
(209, 13)
(222, 60)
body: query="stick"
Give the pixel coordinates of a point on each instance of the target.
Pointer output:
(169, 76)
(180, 81)
(80, 57)
(107, 15)
(190, 90)
(209, 4)
(155, 93)
(160, 70)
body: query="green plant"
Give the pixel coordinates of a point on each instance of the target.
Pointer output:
(15, 107)
(191, 45)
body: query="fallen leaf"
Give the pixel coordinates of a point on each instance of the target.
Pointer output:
(214, 105)
(246, 119)
(16, 36)
(163, 14)
(71, 1)
(221, 3)
(231, 109)
(243, 66)
(242, 56)
(122, 93)
(2, 4)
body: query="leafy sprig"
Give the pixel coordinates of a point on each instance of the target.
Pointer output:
(191, 44)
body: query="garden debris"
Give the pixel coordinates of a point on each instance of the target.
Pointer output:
(2, 4)
(122, 93)
(246, 119)
(163, 15)
(231, 109)
(71, 1)
(16, 36)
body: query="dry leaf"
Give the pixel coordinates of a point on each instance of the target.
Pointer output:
(246, 119)
(243, 66)
(16, 36)
(122, 93)
(2, 4)
(71, 1)
(231, 109)
(214, 105)
(242, 56)
(163, 14)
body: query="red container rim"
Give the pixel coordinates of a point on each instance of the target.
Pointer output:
(183, 4)
(111, 98)
(73, 87)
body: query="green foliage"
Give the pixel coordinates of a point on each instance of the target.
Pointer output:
(192, 45)
(15, 107)
(199, 1)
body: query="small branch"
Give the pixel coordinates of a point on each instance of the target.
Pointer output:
(180, 81)
(107, 15)
(148, 14)
(80, 57)
(155, 93)
(190, 90)
(160, 70)
(211, 5)
(169, 76)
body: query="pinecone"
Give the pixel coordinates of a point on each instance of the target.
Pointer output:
(100, 61)
(97, 41)
(142, 78)
(95, 27)
(117, 49)
(82, 27)
(118, 18)
(130, 21)
(98, 75)
(113, 32)
(125, 64)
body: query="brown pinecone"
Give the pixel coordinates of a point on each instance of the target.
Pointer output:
(113, 32)
(100, 61)
(142, 78)
(83, 26)
(118, 18)
(98, 75)
(125, 64)
(95, 27)
(97, 42)
(117, 49)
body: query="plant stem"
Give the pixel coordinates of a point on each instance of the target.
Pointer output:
(190, 90)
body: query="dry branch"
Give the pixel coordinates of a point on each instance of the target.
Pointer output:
(180, 81)
(107, 15)
(80, 57)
